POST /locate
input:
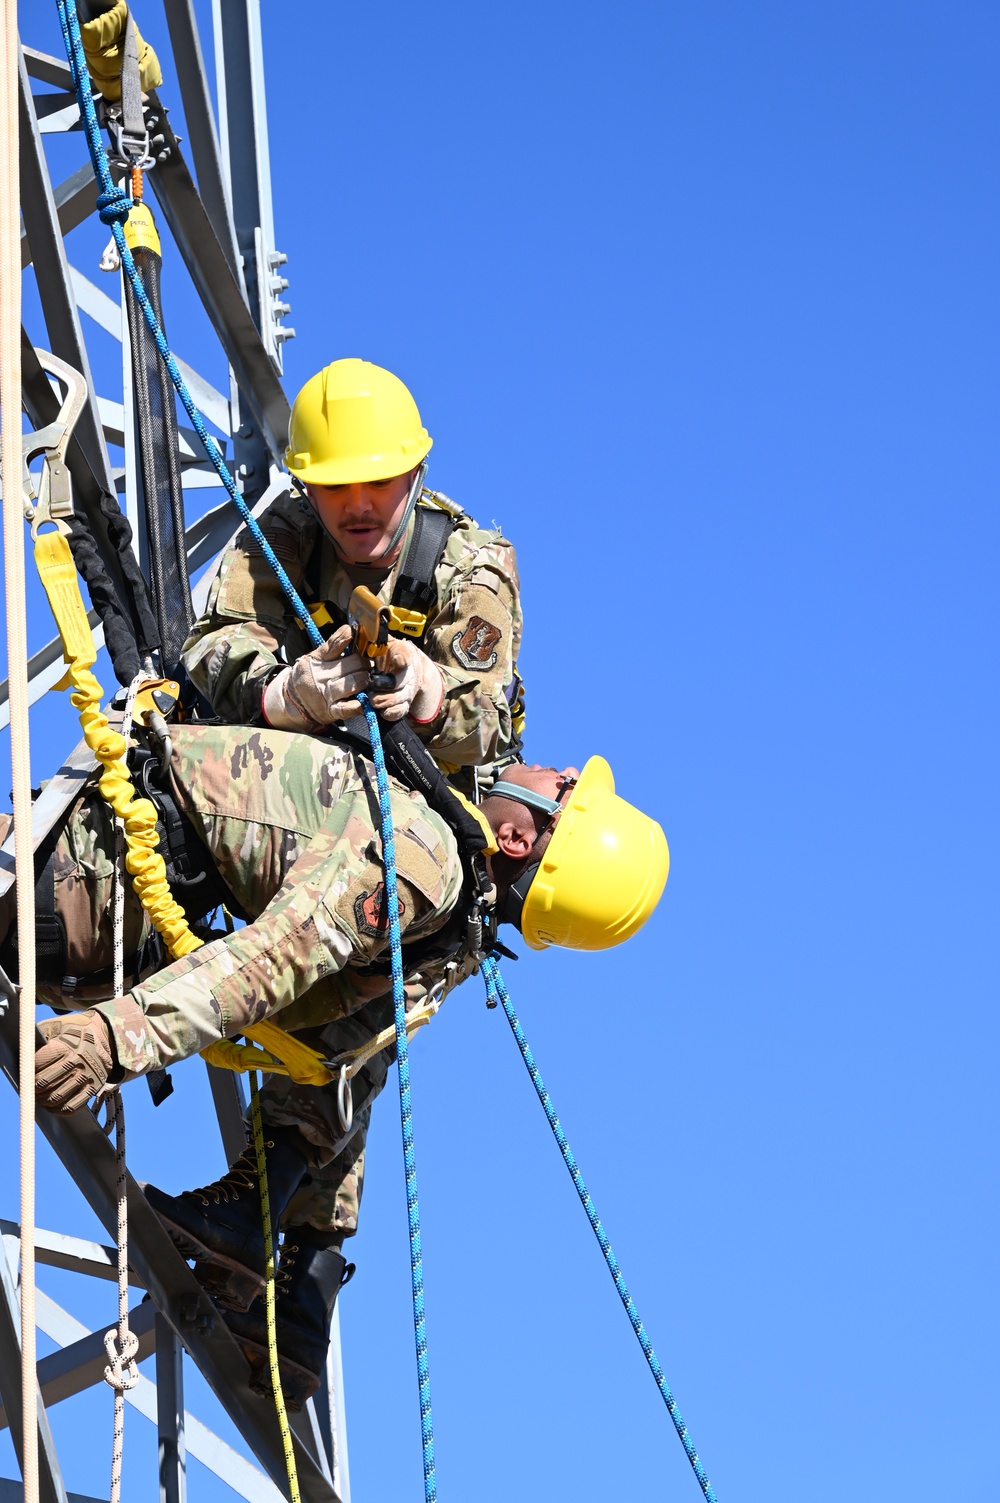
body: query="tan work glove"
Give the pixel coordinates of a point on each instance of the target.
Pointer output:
(103, 43)
(317, 689)
(74, 1063)
(419, 685)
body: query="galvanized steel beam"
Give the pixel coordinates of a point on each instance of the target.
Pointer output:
(90, 1160)
(202, 134)
(50, 1483)
(220, 293)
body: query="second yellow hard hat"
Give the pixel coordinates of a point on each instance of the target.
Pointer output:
(602, 873)
(352, 422)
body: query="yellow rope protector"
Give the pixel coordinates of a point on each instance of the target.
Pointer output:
(281, 1053)
(143, 862)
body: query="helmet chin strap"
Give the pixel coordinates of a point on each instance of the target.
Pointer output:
(516, 894)
(416, 486)
(527, 796)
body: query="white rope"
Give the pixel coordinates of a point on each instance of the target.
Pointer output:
(119, 887)
(121, 1344)
(17, 672)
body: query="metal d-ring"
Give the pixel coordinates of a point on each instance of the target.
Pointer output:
(345, 1099)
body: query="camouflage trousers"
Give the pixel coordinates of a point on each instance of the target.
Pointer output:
(292, 825)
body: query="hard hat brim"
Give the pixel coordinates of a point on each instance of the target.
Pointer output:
(596, 773)
(358, 471)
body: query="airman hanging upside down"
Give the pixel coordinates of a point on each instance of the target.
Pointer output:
(291, 826)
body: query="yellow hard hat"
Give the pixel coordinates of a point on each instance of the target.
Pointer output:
(354, 421)
(602, 874)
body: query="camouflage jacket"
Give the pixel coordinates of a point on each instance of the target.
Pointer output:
(292, 824)
(473, 634)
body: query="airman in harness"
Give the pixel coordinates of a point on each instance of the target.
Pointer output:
(290, 825)
(361, 516)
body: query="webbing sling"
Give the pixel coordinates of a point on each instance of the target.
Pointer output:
(156, 417)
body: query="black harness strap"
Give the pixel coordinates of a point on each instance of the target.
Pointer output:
(50, 936)
(416, 587)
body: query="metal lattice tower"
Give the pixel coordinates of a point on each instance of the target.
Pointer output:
(213, 194)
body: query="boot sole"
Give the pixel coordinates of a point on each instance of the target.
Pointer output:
(298, 1384)
(232, 1285)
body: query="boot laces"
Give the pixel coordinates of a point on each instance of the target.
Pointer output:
(286, 1263)
(242, 1176)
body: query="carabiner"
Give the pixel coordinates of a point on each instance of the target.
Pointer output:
(52, 502)
(345, 1099)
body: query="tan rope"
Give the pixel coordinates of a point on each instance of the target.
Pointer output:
(354, 1060)
(17, 672)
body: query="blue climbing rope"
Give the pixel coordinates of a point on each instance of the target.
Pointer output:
(496, 991)
(405, 1108)
(113, 205)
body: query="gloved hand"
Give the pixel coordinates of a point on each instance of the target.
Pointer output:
(75, 1061)
(317, 689)
(419, 685)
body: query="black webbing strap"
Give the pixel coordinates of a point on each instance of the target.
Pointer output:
(416, 587)
(50, 936)
(162, 495)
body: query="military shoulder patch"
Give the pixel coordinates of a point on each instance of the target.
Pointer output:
(371, 913)
(475, 646)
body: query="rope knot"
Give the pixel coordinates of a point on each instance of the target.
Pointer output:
(121, 1372)
(114, 206)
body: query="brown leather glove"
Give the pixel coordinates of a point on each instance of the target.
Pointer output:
(74, 1063)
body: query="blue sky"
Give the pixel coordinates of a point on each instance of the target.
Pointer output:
(700, 303)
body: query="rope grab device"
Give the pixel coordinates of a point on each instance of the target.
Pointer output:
(49, 506)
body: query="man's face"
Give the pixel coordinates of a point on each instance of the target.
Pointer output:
(362, 517)
(519, 830)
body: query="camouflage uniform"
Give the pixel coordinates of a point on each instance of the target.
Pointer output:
(292, 823)
(473, 633)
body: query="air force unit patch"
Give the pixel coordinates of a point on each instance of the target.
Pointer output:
(371, 913)
(475, 647)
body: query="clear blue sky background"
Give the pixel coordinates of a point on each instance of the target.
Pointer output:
(699, 302)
